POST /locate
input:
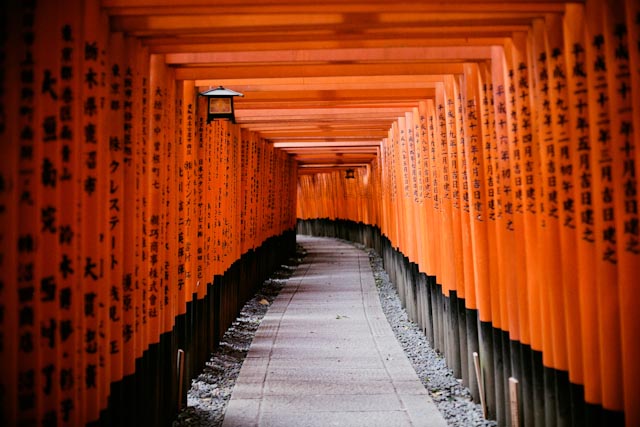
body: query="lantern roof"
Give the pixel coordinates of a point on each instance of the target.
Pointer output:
(221, 91)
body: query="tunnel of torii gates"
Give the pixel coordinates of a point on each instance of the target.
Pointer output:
(494, 147)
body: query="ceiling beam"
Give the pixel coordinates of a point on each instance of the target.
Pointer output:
(227, 71)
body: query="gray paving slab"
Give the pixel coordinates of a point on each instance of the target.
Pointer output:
(324, 354)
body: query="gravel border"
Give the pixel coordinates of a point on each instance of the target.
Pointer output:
(451, 397)
(211, 390)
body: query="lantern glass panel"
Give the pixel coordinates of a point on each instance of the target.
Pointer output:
(220, 105)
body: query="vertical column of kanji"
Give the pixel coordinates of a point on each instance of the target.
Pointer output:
(506, 126)
(115, 237)
(421, 151)
(29, 378)
(170, 198)
(283, 176)
(259, 143)
(382, 187)
(558, 178)
(104, 127)
(488, 296)
(235, 144)
(629, 259)
(604, 216)
(478, 296)
(454, 139)
(224, 196)
(155, 154)
(142, 110)
(229, 194)
(11, 53)
(186, 221)
(375, 195)
(382, 167)
(291, 193)
(266, 177)
(511, 249)
(129, 214)
(385, 183)
(249, 140)
(396, 189)
(414, 197)
(372, 193)
(549, 188)
(92, 256)
(406, 224)
(223, 200)
(272, 189)
(45, 240)
(277, 185)
(217, 182)
(468, 290)
(264, 180)
(161, 94)
(492, 179)
(527, 182)
(253, 181)
(237, 173)
(213, 176)
(266, 217)
(180, 179)
(478, 301)
(433, 176)
(452, 227)
(200, 192)
(504, 221)
(584, 235)
(285, 202)
(361, 201)
(443, 218)
(625, 184)
(245, 191)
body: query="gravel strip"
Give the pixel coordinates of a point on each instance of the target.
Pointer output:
(451, 397)
(210, 391)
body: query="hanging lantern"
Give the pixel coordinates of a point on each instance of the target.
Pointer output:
(349, 174)
(220, 104)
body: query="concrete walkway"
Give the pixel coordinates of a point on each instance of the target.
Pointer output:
(325, 355)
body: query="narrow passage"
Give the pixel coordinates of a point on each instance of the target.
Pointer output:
(325, 354)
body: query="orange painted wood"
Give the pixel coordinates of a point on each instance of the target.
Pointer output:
(454, 138)
(623, 183)
(477, 160)
(234, 71)
(575, 34)
(628, 292)
(92, 263)
(606, 250)
(130, 256)
(116, 176)
(464, 196)
(10, 259)
(436, 184)
(46, 273)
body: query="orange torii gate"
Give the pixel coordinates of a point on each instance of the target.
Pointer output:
(494, 154)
